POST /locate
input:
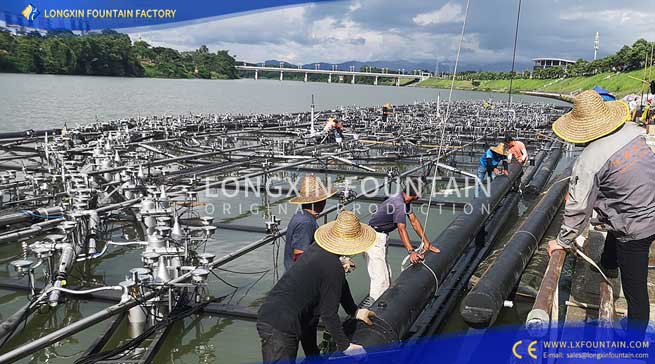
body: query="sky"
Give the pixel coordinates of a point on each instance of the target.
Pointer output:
(418, 31)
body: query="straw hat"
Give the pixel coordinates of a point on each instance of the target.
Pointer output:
(312, 190)
(591, 118)
(345, 236)
(500, 149)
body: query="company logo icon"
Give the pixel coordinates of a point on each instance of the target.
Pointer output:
(531, 349)
(30, 12)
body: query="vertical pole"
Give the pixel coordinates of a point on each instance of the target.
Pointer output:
(516, 37)
(256, 74)
(312, 116)
(376, 81)
(330, 78)
(353, 80)
(281, 75)
(305, 76)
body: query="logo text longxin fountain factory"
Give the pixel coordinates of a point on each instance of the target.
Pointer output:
(30, 12)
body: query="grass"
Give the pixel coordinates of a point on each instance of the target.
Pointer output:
(619, 84)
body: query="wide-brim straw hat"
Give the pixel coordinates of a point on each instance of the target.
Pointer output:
(500, 149)
(312, 190)
(346, 235)
(591, 118)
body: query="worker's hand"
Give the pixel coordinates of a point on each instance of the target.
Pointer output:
(415, 257)
(505, 172)
(365, 316)
(496, 171)
(552, 246)
(355, 350)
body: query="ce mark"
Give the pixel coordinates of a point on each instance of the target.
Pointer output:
(531, 349)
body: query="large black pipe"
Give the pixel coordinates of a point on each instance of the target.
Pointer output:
(527, 177)
(543, 174)
(481, 306)
(401, 304)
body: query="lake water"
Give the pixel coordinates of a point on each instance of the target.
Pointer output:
(46, 101)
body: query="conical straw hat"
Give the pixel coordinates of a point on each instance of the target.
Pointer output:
(345, 236)
(591, 118)
(312, 190)
(500, 148)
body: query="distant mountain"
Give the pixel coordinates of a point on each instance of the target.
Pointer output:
(409, 66)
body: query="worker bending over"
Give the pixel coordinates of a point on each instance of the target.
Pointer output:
(315, 284)
(312, 197)
(392, 214)
(387, 110)
(488, 167)
(614, 175)
(516, 150)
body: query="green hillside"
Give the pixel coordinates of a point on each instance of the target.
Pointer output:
(620, 84)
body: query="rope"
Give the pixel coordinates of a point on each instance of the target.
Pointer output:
(443, 135)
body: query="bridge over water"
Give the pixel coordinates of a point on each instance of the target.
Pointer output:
(352, 74)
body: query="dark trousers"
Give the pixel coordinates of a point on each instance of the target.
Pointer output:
(632, 260)
(277, 347)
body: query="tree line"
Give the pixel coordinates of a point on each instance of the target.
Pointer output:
(628, 58)
(107, 53)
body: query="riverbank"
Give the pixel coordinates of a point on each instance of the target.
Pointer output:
(620, 84)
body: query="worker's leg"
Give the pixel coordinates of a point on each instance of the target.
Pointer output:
(308, 338)
(608, 260)
(481, 180)
(277, 346)
(378, 269)
(633, 263)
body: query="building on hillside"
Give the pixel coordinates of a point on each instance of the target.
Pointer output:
(541, 63)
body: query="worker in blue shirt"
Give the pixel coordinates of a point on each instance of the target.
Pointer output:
(489, 165)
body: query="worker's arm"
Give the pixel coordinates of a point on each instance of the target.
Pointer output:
(414, 257)
(583, 190)
(524, 155)
(330, 297)
(416, 224)
(347, 301)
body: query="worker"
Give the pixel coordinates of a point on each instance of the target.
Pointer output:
(614, 176)
(392, 214)
(387, 110)
(338, 132)
(516, 150)
(315, 283)
(333, 130)
(489, 162)
(312, 197)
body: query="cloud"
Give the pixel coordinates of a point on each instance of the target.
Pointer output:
(390, 30)
(449, 13)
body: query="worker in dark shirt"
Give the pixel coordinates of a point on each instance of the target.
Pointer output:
(390, 215)
(315, 283)
(489, 162)
(312, 197)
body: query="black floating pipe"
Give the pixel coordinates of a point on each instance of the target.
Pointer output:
(527, 177)
(481, 306)
(542, 176)
(401, 304)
